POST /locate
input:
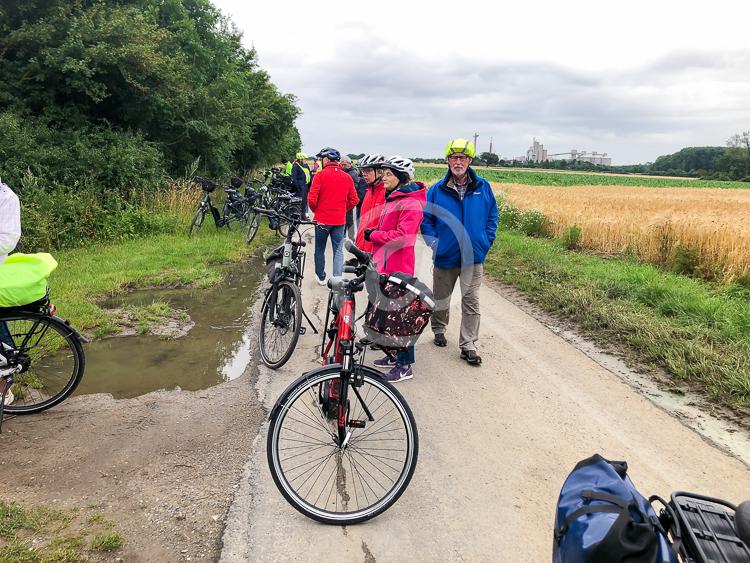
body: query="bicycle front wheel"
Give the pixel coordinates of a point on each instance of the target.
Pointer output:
(51, 358)
(346, 484)
(253, 220)
(280, 321)
(198, 219)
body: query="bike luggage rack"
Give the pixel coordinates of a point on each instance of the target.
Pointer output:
(708, 528)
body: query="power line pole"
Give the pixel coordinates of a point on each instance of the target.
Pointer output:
(476, 136)
(490, 145)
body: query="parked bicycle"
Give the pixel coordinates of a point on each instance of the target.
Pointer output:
(342, 442)
(235, 210)
(274, 192)
(41, 358)
(282, 310)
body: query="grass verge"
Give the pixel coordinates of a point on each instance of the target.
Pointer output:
(42, 534)
(85, 276)
(697, 331)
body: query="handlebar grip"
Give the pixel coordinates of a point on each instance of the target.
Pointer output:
(362, 256)
(350, 269)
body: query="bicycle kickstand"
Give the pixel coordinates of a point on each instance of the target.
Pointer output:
(312, 326)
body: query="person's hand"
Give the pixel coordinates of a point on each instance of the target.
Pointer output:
(368, 232)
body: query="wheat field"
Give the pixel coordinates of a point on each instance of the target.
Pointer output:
(710, 227)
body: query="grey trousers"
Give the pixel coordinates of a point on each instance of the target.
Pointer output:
(443, 282)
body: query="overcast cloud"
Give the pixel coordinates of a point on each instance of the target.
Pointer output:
(635, 85)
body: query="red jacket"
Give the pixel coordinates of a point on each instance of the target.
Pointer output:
(331, 195)
(372, 206)
(393, 241)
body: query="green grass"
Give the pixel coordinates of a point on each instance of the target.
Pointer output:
(109, 541)
(84, 276)
(44, 535)
(699, 332)
(550, 178)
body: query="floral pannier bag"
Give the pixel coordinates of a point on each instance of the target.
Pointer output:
(400, 309)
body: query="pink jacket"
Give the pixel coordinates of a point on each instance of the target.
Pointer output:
(396, 233)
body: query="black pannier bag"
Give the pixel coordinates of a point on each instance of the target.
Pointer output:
(400, 309)
(274, 260)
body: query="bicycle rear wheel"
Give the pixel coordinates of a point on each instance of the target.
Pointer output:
(253, 226)
(280, 320)
(51, 358)
(336, 485)
(198, 219)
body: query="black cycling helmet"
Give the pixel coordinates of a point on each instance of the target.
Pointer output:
(329, 153)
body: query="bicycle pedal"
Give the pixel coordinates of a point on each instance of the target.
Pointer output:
(302, 330)
(357, 423)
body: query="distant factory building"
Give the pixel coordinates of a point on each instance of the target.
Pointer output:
(537, 153)
(593, 158)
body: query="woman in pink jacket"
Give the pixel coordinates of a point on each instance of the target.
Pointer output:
(393, 240)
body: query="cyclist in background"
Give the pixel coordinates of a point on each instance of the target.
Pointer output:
(332, 194)
(360, 186)
(301, 179)
(374, 197)
(393, 240)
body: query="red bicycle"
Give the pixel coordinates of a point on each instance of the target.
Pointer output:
(342, 442)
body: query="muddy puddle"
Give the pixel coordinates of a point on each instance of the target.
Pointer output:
(217, 348)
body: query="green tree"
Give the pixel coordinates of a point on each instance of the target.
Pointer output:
(739, 145)
(489, 158)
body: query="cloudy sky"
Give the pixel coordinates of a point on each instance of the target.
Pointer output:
(634, 79)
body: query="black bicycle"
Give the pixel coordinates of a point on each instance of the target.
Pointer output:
(342, 442)
(282, 310)
(273, 192)
(235, 210)
(41, 358)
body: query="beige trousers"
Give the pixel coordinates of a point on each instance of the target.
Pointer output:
(443, 282)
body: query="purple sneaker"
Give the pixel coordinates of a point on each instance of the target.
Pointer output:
(399, 373)
(386, 362)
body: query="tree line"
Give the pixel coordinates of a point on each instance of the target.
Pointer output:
(104, 100)
(731, 162)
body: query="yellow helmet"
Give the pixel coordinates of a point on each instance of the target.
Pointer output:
(460, 145)
(301, 156)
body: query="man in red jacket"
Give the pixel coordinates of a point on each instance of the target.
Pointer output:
(331, 195)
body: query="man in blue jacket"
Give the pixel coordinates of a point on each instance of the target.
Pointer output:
(460, 221)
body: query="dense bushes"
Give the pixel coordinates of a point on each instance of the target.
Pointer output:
(101, 102)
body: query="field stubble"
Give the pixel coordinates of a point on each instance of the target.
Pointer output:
(702, 231)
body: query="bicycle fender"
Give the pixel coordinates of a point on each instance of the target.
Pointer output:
(313, 372)
(82, 339)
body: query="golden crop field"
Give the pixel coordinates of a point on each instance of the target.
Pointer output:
(708, 226)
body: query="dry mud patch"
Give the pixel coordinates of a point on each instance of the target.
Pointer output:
(163, 466)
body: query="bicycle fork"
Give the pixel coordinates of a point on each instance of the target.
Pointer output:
(344, 423)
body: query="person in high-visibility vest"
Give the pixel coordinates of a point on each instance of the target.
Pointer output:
(287, 166)
(301, 178)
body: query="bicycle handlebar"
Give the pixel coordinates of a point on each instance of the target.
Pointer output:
(269, 212)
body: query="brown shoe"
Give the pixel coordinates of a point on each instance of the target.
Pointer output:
(471, 357)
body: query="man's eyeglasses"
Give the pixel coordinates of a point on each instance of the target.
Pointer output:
(458, 157)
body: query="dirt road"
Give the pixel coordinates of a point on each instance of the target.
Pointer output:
(496, 442)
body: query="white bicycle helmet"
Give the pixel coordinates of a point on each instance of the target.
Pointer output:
(400, 164)
(371, 161)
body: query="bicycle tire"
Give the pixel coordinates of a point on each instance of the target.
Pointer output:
(253, 226)
(198, 219)
(270, 308)
(305, 390)
(28, 385)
